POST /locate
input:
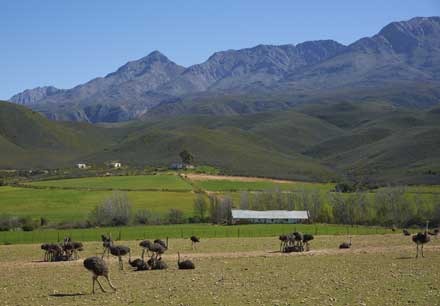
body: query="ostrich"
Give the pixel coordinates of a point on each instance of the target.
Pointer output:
(284, 240)
(157, 264)
(157, 249)
(421, 239)
(98, 267)
(45, 248)
(306, 239)
(162, 243)
(194, 240)
(345, 245)
(406, 232)
(298, 240)
(115, 250)
(146, 246)
(435, 232)
(184, 265)
(139, 264)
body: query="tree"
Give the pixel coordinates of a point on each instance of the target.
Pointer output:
(113, 211)
(143, 216)
(175, 216)
(187, 158)
(200, 206)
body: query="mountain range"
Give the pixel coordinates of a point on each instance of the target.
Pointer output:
(400, 65)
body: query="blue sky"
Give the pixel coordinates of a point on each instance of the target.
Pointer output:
(65, 43)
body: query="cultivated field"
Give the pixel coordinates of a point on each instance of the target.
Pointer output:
(378, 270)
(141, 182)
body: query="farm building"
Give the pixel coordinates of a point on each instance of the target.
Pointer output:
(240, 216)
(81, 166)
(115, 165)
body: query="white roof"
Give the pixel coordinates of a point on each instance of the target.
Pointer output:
(269, 214)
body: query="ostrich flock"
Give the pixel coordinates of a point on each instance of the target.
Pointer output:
(69, 250)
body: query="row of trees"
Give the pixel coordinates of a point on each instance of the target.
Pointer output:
(388, 206)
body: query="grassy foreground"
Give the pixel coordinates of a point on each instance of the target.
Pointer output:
(378, 270)
(185, 231)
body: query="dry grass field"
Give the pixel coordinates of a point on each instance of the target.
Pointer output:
(378, 270)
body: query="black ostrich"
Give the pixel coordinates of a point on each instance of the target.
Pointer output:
(406, 232)
(157, 249)
(115, 250)
(139, 264)
(284, 240)
(98, 267)
(162, 243)
(45, 248)
(194, 240)
(345, 245)
(298, 240)
(421, 239)
(146, 246)
(157, 264)
(435, 232)
(186, 264)
(306, 239)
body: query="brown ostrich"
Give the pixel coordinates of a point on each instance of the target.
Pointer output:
(98, 267)
(421, 239)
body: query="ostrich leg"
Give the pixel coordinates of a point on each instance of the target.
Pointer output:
(121, 264)
(109, 282)
(99, 283)
(417, 254)
(422, 250)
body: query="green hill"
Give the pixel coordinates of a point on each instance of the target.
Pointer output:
(313, 141)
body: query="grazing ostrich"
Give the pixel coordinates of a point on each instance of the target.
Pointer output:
(306, 239)
(146, 246)
(406, 232)
(162, 243)
(421, 239)
(345, 245)
(298, 240)
(284, 240)
(157, 249)
(194, 240)
(184, 265)
(115, 250)
(98, 267)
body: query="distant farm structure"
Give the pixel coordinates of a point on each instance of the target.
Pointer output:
(81, 166)
(240, 216)
(116, 165)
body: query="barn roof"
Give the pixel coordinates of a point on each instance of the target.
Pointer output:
(269, 214)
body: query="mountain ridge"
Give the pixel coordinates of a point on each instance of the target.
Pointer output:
(404, 51)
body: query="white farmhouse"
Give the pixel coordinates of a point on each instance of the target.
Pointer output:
(116, 165)
(240, 216)
(81, 166)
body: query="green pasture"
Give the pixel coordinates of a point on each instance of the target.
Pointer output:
(231, 185)
(185, 231)
(74, 205)
(141, 182)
